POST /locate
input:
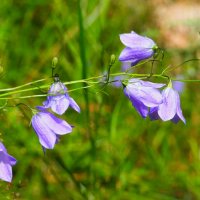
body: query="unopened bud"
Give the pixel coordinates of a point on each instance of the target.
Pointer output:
(54, 62)
(112, 59)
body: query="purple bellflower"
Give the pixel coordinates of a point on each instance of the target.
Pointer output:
(59, 100)
(137, 48)
(6, 163)
(49, 128)
(170, 108)
(143, 95)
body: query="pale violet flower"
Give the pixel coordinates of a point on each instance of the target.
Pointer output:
(143, 95)
(6, 163)
(59, 100)
(178, 85)
(49, 127)
(137, 48)
(170, 108)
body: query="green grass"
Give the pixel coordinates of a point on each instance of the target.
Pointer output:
(112, 152)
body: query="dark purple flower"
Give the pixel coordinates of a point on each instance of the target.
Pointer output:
(137, 48)
(143, 95)
(48, 127)
(59, 100)
(170, 108)
(6, 163)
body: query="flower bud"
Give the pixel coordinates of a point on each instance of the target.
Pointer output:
(112, 59)
(54, 62)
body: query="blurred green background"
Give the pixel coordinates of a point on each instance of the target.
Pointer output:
(112, 152)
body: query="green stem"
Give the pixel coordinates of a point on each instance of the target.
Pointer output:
(40, 87)
(169, 69)
(88, 82)
(21, 86)
(186, 80)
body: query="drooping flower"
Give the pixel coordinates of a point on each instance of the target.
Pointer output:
(143, 95)
(49, 127)
(137, 48)
(59, 100)
(170, 108)
(6, 163)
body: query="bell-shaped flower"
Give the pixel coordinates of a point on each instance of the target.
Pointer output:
(170, 108)
(6, 163)
(143, 95)
(59, 100)
(49, 127)
(137, 48)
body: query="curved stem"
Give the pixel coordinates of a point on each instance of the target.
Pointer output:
(169, 69)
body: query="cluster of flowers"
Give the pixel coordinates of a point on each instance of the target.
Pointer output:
(145, 96)
(149, 101)
(47, 126)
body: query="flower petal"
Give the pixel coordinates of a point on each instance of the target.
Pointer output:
(179, 111)
(135, 55)
(5, 171)
(74, 105)
(153, 113)
(60, 106)
(47, 103)
(2, 148)
(5, 156)
(167, 109)
(139, 106)
(11, 160)
(133, 40)
(150, 84)
(57, 88)
(55, 124)
(148, 96)
(46, 136)
(176, 119)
